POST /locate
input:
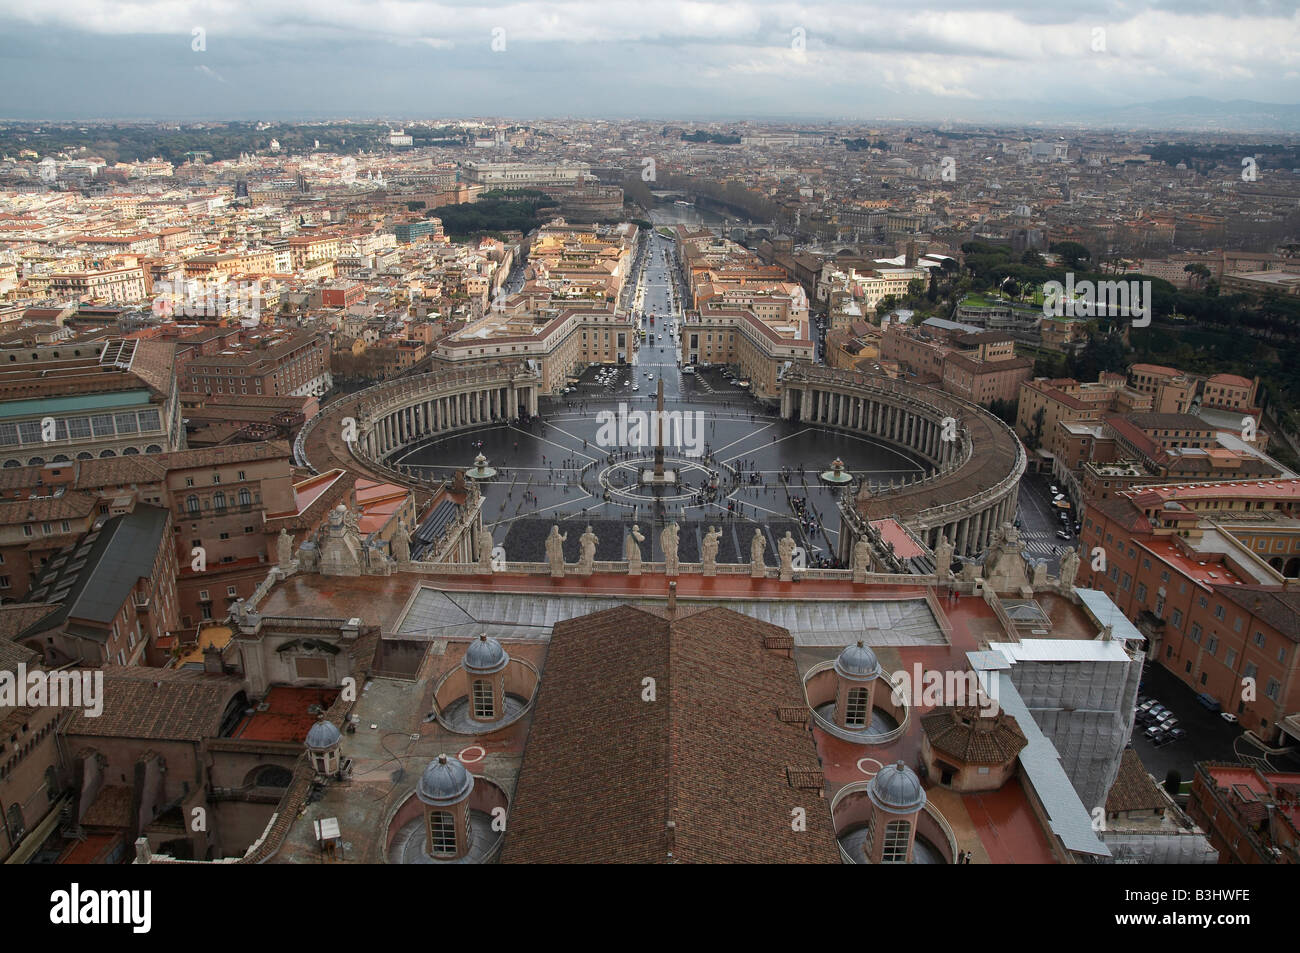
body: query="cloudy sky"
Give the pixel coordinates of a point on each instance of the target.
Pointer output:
(936, 59)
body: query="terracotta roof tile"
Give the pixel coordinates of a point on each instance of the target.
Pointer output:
(1133, 789)
(170, 704)
(966, 735)
(606, 773)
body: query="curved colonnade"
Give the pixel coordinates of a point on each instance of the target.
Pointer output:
(389, 417)
(975, 462)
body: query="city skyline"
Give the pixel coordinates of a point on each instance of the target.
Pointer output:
(1002, 62)
(446, 434)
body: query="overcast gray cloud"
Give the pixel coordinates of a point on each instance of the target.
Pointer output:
(81, 58)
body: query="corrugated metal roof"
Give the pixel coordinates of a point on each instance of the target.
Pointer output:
(123, 551)
(1069, 818)
(435, 612)
(1062, 650)
(1107, 613)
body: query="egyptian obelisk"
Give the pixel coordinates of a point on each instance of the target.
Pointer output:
(657, 475)
(659, 435)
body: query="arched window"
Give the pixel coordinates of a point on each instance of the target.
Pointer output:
(855, 708)
(273, 776)
(16, 826)
(442, 833)
(192, 504)
(219, 500)
(85, 455)
(897, 836)
(245, 498)
(483, 707)
(153, 448)
(106, 454)
(36, 462)
(130, 452)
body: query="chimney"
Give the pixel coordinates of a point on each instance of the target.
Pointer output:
(672, 599)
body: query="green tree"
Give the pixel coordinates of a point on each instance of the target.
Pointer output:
(1200, 274)
(1036, 431)
(1073, 255)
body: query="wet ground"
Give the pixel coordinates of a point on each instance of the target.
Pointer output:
(738, 465)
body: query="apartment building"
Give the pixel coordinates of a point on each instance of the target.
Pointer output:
(114, 285)
(761, 348)
(221, 498)
(35, 526)
(1064, 400)
(1251, 814)
(522, 175)
(979, 366)
(1207, 571)
(1171, 390)
(559, 341)
(112, 593)
(279, 364)
(306, 251)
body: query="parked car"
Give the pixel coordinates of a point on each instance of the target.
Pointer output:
(1063, 534)
(1229, 717)
(1152, 715)
(1144, 704)
(1154, 732)
(1162, 739)
(1176, 733)
(1209, 701)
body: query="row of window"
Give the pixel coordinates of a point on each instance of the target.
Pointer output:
(216, 478)
(21, 751)
(83, 455)
(217, 502)
(231, 591)
(28, 432)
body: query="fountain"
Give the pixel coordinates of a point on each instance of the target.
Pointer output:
(481, 470)
(836, 476)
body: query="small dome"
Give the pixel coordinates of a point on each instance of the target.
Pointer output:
(485, 656)
(897, 789)
(858, 662)
(323, 735)
(444, 782)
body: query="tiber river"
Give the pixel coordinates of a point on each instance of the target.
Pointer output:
(683, 215)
